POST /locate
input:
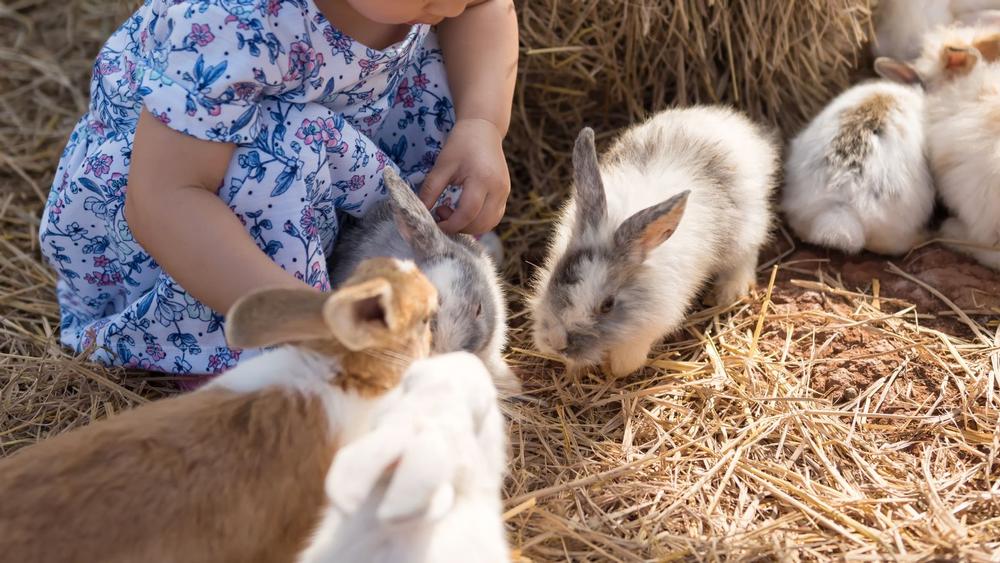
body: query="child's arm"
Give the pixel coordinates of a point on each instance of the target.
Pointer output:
(174, 212)
(480, 53)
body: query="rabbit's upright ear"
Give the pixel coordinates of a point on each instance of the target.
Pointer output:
(591, 202)
(413, 220)
(651, 227)
(276, 316)
(362, 315)
(897, 71)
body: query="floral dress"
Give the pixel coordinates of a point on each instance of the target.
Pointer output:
(315, 117)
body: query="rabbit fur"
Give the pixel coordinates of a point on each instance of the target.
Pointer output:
(677, 201)
(473, 313)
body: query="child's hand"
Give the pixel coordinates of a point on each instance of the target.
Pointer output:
(472, 158)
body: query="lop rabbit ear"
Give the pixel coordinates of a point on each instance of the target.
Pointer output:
(276, 316)
(651, 227)
(362, 315)
(413, 220)
(897, 71)
(591, 202)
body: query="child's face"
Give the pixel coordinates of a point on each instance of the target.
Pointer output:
(410, 11)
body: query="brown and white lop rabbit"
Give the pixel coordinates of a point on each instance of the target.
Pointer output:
(238, 470)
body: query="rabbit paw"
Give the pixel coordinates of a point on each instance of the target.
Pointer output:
(626, 359)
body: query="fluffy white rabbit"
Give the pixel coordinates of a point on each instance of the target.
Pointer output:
(960, 69)
(441, 502)
(678, 201)
(856, 177)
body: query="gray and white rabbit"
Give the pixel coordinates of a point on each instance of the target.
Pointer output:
(857, 177)
(960, 68)
(676, 202)
(472, 315)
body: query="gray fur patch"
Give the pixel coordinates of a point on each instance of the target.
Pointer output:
(706, 160)
(591, 201)
(377, 234)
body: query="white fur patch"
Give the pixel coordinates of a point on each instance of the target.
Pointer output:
(406, 265)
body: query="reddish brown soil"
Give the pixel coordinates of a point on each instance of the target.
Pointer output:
(855, 357)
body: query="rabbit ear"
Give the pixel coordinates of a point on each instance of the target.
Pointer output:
(591, 202)
(989, 47)
(362, 315)
(413, 219)
(421, 484)
(897, 71)
(358, 466)
(276, 316)
(651, 227)
(959, 60)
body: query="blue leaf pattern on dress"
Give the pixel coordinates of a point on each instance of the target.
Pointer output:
(315, 118)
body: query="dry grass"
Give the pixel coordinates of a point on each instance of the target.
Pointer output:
(818, 420)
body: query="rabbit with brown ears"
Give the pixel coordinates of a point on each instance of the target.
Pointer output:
(960, 71)
(677, 202)
(244, 469)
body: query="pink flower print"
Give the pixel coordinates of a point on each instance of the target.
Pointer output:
(106, 66)
(367, 67)
(244, 90)
(201, 34)
(98, 165)
(162, 117)
(102, 279)
(356, 183)
(214, 110)
(420, 81)
(273, 7)
(322, 132)
(156, 352)
(303, 61)
(96, 127)
(381, 158)
(308, 222)
(101, 261)
(404, 89)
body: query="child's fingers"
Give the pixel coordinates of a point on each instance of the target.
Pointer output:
(489, 216)
(435, 183)
(469, 207)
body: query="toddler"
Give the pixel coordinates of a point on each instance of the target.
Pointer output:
(224, 137)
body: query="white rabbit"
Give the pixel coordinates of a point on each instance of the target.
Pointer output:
(473, 311)
(901, 24)
(856, 177)
(237, 470)
(960, 68)
(677, 201)
(441, 503)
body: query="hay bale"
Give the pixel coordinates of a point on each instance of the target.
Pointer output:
(607, 64)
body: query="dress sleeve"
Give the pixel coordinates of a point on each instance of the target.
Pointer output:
(206, 65)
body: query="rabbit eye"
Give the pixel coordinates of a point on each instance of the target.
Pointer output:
(607, 305)
(479, 310)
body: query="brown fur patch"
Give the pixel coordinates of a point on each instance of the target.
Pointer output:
(374, 371)
(212, 476)
(989, 47)
(858, 126)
